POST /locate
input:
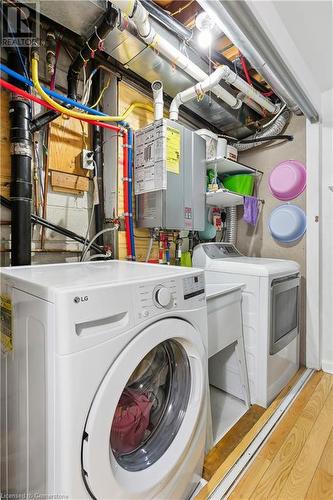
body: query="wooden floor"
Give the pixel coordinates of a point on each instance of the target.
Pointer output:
(229, 442)
(236, 448)
(296, 461)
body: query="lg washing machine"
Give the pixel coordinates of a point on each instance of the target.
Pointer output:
(104, 380)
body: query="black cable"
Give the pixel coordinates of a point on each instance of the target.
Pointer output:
(261, 139)
(35, 219)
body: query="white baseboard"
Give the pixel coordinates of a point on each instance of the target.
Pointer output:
(327, 366)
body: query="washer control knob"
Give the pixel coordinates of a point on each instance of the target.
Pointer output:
(163, 296)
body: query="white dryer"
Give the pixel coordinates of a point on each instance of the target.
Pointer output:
(104, 380)
(270, 307)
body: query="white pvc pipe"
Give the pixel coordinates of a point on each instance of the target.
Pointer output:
(208, 83)
(134, 10)
(157, 88)
(230, 77)
(221, 73)
(251, 104)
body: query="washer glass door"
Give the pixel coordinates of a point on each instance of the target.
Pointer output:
(146, 411)
(152, 407)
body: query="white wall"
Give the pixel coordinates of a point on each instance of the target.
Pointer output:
(258, 241)
(302, 31)
(327, 232)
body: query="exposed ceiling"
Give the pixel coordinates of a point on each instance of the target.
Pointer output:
(186, 12)
(131, 52)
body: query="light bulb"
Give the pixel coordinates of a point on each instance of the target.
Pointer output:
(204, 39)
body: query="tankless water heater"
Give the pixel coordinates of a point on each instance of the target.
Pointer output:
(169, 177)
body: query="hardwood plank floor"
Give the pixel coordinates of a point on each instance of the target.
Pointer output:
(296, 462)
(228, 443)
(221, 469)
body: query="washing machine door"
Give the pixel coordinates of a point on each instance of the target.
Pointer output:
(145, 412)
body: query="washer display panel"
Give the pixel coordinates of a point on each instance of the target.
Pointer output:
(151, 407)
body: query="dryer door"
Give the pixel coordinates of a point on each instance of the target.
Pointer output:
(145, 412)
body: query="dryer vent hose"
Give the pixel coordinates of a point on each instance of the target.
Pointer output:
(231, 221)
(275, 129)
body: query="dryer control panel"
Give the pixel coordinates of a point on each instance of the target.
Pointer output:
(220, 250)
(152, 299)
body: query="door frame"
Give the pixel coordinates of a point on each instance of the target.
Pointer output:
(313, 291)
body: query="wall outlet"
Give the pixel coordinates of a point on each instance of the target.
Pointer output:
(87, 159)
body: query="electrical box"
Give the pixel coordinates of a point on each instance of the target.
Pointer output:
(169, 177)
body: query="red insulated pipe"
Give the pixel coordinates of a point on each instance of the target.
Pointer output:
(269, 93)
(23, 93)
(125, 188)
(246, 71)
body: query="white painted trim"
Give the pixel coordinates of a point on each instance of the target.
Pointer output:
(271, 21)
(235, 472)
(327, 366)
(313, 292)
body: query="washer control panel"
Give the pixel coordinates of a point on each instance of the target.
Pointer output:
(193, 286)
(152, 299)
(162, 296)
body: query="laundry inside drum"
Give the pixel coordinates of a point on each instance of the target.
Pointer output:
(151, 407)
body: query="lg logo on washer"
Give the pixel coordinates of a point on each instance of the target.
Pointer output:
(77, 300)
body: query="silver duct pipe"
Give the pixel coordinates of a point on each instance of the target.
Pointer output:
(275, 129)
(231, 221)
(237, 21)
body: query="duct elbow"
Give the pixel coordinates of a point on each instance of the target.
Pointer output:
(174, 108)
(174, 112)
(157, 88)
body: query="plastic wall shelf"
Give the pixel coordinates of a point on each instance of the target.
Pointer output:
(223, 198)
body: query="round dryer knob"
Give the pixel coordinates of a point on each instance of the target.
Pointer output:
(163, 296)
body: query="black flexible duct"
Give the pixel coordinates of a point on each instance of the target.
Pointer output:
(103, 29)
(35, 219)
(99, 158)
(268, 138)
(21, 156)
